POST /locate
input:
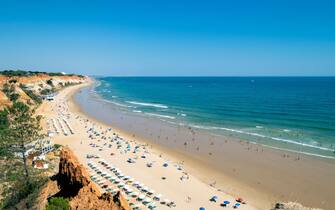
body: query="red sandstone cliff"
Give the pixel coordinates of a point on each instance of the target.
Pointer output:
(74, 183)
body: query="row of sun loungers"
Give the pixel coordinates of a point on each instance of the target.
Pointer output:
(138, 195)
(54, 125)
(63, 128)
(68, 126)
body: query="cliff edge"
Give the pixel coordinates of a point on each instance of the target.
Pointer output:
(74, 183)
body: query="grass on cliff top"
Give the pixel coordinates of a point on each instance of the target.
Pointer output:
(22, 73)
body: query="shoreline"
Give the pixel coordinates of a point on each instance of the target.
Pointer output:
(233, 182)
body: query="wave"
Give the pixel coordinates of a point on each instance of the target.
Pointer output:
(137, 111)
(263, 136)
(160, 115)
(148, 104)
(115, 103)
(305, 153)
(182, 114)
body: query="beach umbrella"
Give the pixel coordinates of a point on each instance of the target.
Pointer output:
(201, 208)
(145, 189)
(158, 197)
(151, 192)
(147, 200)
(141, 196)
(152, 204)
(226, 202)
(214, 198)
(135, 194)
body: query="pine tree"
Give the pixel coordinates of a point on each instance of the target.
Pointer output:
(24, 128)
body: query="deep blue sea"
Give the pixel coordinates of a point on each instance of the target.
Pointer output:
(291, 113)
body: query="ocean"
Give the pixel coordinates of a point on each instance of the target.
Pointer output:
(290, 113)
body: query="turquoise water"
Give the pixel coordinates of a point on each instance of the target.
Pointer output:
(292, 113)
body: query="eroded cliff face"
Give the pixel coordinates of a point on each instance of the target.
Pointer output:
(74, 183)
(35, 83)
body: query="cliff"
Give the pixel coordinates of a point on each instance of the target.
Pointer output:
(36, 84)
(75, 183)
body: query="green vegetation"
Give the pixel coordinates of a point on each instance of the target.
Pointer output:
(22, 73)
(22, 191)
(31, 94)
(58, 203)
(57, 146)
(46, 91)
(49, 82)
(9, 90)
(14, 97)
(18, 180)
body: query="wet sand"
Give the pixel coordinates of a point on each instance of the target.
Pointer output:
(261, 175)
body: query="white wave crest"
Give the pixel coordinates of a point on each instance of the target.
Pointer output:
(160, 115)
(148, 104)
(263, 136)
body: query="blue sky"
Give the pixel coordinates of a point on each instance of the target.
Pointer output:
(216, 38)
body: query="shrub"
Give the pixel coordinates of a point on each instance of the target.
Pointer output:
(57, 146)
(21, 190)
(58, 203)
(49, 82)
(13, 97)
(46, 91)
(31, 94)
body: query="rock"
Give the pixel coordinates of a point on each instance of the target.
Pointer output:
(75, 183)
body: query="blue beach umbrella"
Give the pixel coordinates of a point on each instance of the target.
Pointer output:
(201, 208)
(226, 202)
(214, 198)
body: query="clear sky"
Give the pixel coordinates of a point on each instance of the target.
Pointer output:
(172, 37)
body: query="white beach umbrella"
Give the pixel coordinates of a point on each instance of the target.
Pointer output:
(141, 196)
(152, 205)
(147, 200)
(157, 197)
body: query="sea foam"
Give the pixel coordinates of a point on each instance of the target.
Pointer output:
(148, 104)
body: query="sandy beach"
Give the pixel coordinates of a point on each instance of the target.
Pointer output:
(188, 171)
